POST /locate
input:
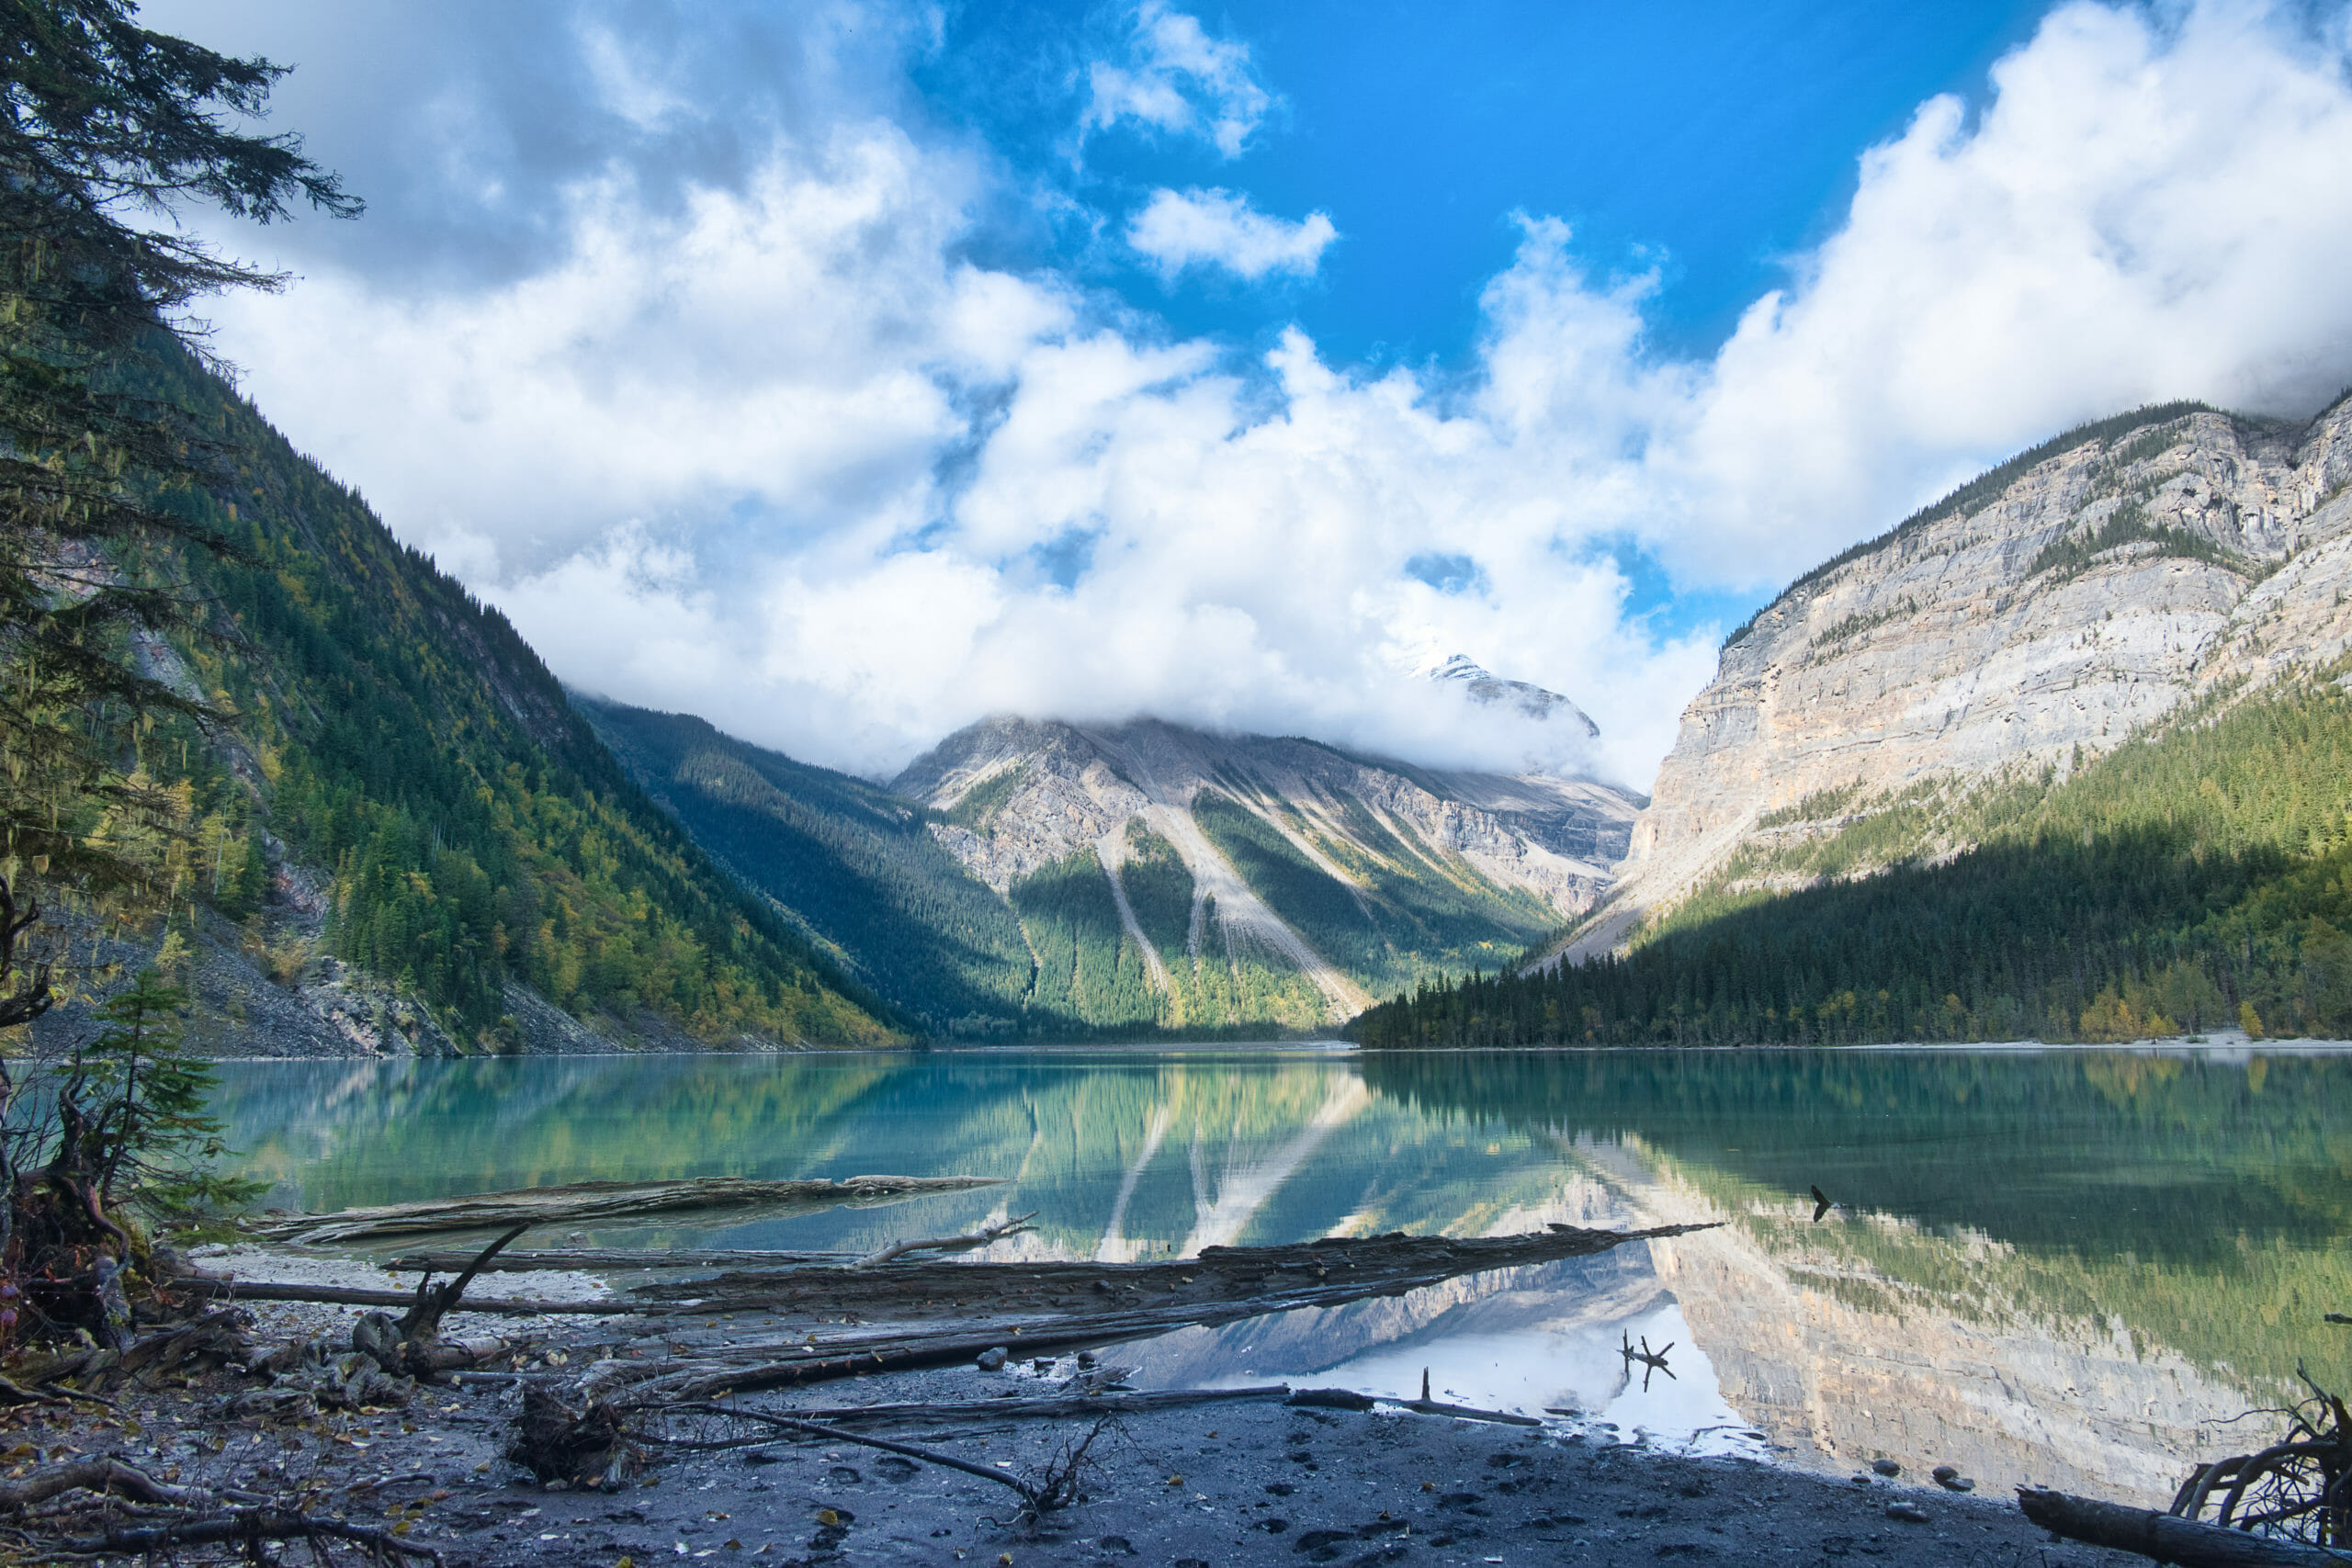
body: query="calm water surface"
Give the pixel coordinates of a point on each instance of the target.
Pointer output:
(2066, 1267)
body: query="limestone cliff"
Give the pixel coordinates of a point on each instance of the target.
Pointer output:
(2042, 614)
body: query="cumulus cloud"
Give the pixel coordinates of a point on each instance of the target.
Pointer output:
(1216, 228)
(1177, 78)
(775, 449)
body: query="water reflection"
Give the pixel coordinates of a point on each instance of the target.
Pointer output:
(2064, 1267)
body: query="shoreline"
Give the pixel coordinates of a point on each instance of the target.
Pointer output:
(1234, 1481)
(2219, 1043)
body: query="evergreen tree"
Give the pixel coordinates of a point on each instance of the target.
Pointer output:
(102, 120)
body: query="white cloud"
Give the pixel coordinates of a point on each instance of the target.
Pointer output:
(778, 454)
(1216, 228)
(1177, 78)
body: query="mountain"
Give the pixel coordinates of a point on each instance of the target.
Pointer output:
(1035, 879)
(1487, 689)
(854, 867)
(409, 838)
(1175, 876)
(2067, 755)
(2044, 613)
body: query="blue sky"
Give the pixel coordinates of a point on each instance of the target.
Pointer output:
(1711, 141)
(847, 369)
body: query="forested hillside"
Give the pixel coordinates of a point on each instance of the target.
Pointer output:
(852, 865)
(395, 735)
(2197, 877)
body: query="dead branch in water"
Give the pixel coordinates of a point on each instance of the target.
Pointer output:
(581, 1200)
(1018, 1225)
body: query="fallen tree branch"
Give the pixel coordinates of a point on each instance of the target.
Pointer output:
(107, 1475)
(248, 1528)
(1029, 1494)
(421, 1323)
(2165, 1536)
(1017, 1225)
(581, 1200)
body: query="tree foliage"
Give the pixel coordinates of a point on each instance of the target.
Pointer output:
(102, 120)
(2196, 879)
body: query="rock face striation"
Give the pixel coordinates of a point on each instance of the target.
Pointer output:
(2042, 613)
(1022, 796)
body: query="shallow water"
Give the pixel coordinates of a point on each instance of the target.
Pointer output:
(2067, 1267)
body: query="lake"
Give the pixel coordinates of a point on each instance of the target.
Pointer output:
(2068, 1267)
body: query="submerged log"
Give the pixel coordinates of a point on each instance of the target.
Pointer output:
(2165, 1536)
(583, 1201)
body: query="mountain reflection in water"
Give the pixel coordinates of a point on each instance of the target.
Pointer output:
(2066, 1266)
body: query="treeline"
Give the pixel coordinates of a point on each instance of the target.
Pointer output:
(2197, 878)
(395, 732)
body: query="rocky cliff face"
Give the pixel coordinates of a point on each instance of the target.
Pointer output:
(2048, 611)
(1024, 795)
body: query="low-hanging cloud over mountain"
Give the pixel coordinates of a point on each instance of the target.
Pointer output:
(761, 433)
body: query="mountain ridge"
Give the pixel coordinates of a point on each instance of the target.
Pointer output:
(2128, 567)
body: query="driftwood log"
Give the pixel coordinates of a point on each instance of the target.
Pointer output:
(2165, 1536)
(578, 1430)
(613, 1258)
(1250, 1280)
(224, 1288)
(580, 1201)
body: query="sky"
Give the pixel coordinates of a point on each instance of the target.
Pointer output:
(845, 370)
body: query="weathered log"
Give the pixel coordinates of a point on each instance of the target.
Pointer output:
(1425, 1405)
(608, 1257)
(1222, 1282)
(1326, 1272)
(1053, 1408)
(2165, 1536)
(346, 1295)
(967, 1242)
(105, 1475)
(583, 1200)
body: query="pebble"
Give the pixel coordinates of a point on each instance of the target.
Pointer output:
(1960, 1484)
(1944, 1472)
(991, 1359)
(1910, 1513)
(1886, 1467)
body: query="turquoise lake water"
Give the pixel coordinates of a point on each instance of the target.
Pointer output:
(2068, 1267)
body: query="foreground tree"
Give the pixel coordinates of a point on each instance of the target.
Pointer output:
(109, 133)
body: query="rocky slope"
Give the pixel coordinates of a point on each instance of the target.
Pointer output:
(1353, 874)
(2042, 613)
